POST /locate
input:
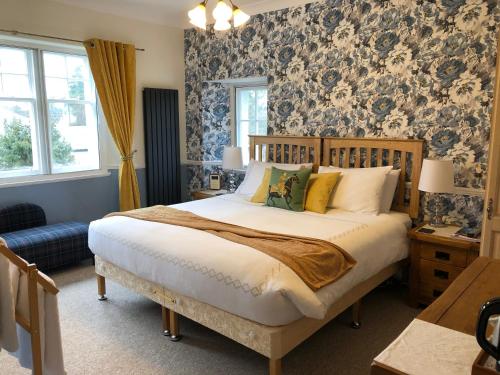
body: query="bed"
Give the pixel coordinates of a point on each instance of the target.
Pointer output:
(253, 298)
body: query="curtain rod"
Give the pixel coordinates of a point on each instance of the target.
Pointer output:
(15, 32)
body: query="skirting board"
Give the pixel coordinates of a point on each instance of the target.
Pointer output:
(272, 342)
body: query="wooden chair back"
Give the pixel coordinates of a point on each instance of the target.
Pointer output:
(31, 325)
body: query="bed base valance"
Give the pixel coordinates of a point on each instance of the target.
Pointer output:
(272, 342)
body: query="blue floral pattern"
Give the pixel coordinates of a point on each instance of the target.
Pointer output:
(373, 68)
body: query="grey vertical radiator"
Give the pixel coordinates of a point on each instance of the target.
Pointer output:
(161, 132)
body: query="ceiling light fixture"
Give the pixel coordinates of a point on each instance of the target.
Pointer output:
(222, 14)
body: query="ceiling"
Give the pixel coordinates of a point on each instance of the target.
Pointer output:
(173, 12)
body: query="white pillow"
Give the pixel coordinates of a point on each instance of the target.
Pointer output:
(391, 183)
(255, 173)
(359, 189)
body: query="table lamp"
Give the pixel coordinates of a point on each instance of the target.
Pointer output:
(437, 178)
(232, 160)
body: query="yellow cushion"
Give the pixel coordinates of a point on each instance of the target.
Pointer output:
(261, 193)
(319, 190)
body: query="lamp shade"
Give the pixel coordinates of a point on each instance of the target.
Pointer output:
(231, 158)
(437, 176)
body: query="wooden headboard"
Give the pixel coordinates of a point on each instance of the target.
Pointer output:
(404, 154)
(286, 149)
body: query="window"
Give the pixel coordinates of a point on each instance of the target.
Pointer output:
(251, 116)
(48, 113)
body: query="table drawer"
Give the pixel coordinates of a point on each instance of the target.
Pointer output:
(443, 254)
(438, 274)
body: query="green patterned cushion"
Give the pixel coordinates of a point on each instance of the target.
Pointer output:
(287, 189)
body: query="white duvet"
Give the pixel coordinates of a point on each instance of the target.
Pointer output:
(237, 278)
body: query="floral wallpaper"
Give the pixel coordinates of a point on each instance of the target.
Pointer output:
(378, 68)
(215, 120)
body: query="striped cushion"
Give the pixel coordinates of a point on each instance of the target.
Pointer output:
(51, 246)
(21, 216)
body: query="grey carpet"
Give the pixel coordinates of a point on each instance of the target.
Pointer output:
(123, 336)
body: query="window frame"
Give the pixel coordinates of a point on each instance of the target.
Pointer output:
(41, 114)
(236, 104)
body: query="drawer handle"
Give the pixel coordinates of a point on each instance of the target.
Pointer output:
(441, 274)
(442, 255)
(436, 293)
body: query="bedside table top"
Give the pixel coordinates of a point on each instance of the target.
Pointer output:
(443, 236)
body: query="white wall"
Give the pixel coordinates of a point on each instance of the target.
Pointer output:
(161, 65)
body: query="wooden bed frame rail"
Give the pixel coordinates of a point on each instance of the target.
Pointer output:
(32, 326)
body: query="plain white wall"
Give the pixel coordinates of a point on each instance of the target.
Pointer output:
(161, 65)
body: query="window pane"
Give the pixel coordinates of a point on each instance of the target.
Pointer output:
(262, 105)
(251, 116)
(247, 104)
(57, 88)
(18, 146)
(243, 140)
(74, 137)
(68, 77)
(15, 73)
(72, 113)
(54, 65)
(261, 128)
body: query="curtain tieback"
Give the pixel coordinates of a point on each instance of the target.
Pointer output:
(129, 156)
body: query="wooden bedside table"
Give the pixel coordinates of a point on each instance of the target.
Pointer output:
(203, 194)
(436, 260)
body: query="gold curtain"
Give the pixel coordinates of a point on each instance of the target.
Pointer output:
(113, 68)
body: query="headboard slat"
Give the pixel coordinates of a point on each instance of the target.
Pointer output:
(357, 161)
(337, 157)
(347, 157)
(390, 160)
(402, 181)
(379, 157)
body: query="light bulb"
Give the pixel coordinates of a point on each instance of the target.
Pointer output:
(222, 25)
(198, 17)
(239, 17)
(222, 11)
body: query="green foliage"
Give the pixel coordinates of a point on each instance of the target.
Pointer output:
(15, 145)
(16, 150)
(61, 149)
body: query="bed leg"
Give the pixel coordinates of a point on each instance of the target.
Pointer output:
(356, 315)
(274, 366)
(101, 288)
(165, 317)
(174, 326)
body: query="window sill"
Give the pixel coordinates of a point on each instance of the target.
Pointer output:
(43, 179)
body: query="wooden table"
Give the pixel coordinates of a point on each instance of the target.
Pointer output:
(458, 307)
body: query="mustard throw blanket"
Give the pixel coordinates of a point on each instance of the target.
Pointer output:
(316, 262)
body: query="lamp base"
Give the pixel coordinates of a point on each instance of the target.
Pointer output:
(437, 221)
(232, 181)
